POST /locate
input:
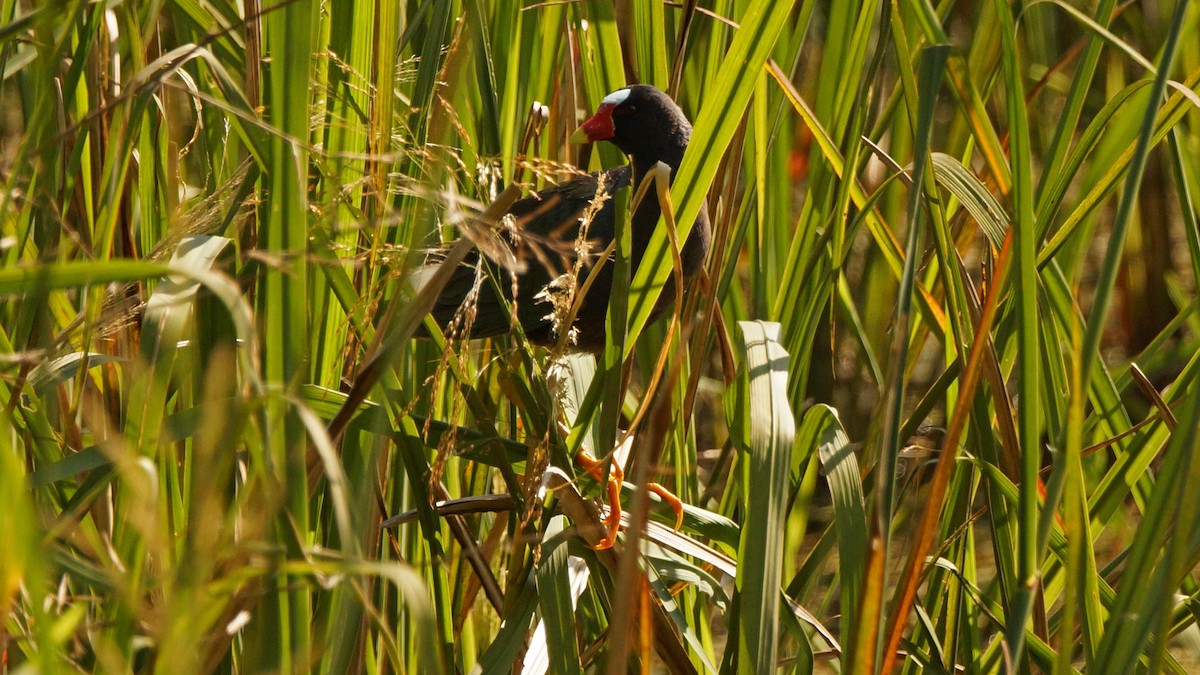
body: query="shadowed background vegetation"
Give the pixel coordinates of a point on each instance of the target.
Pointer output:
(933, 407)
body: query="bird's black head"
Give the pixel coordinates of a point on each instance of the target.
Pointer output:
(637, 119)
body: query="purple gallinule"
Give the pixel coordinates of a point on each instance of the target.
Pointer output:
(645, 124)
(648, 127)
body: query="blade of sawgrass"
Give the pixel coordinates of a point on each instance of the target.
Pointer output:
(840, 114)
(385, 53)
(356, 78)
(760, 402)
(804, 265)
(544, 60)
(763, 200)
(167, 316)
(1123, 643)
(556, 601)
(194, 471)
(973, 195)
(616, 321)
(1109, 419)
(1152, 574)
(344, 76)
(600, 61)
(664, 568)
(1125, 471)
(428, 30)
(850, 515)
(1067, 127)
(1029, 390)
(961, 75)
(153, 190)
(1108, 169)
(32, 280)
(847, 39)
(924, 96)
(1186, 182)
(1153, 130)
(23, 559)
(947, 502)
(1080, 590)
(285, 632)
(650, 48)
(702, 41)
(725, 104)
(509, 640)
(496, 67)
(152, 145)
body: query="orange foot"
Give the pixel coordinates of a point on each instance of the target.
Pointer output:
(671, 500)
(616, 477)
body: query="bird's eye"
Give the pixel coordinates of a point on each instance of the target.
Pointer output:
(625, 110)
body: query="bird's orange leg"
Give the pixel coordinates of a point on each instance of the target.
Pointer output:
(616, 476)
(671, 500)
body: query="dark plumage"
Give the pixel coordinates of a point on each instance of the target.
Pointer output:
(648, 127)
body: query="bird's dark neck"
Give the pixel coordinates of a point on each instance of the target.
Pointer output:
(669, 150)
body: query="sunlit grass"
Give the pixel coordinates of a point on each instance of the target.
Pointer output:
(932, 406)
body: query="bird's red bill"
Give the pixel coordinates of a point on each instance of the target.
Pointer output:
(599, 127)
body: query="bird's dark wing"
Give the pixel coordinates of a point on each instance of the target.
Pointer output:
(543, 241)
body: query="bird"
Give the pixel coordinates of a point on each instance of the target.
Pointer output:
(647, 126)
(541, 246)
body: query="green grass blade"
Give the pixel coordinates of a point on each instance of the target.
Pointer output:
(761, 401)
(726, 102)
